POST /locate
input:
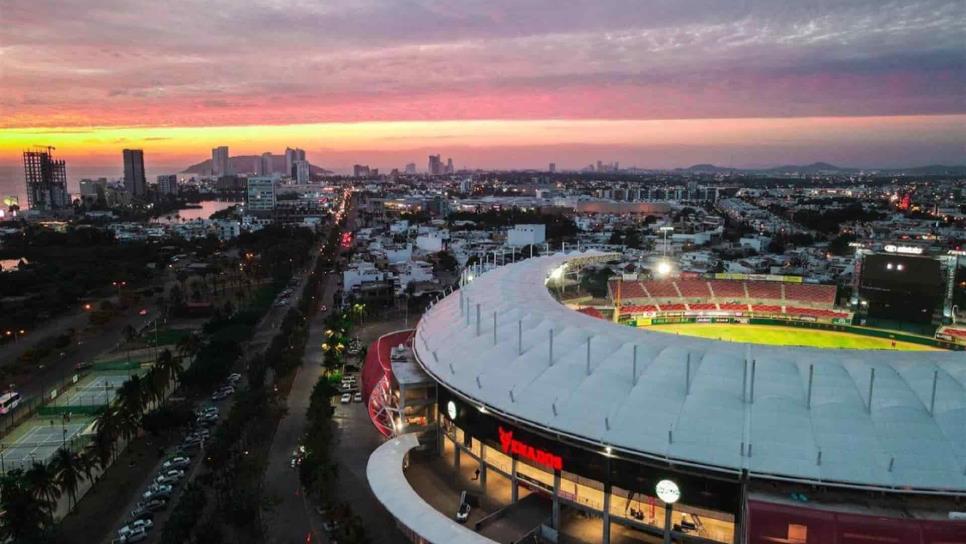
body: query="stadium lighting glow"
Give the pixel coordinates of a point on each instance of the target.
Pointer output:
(663, 268)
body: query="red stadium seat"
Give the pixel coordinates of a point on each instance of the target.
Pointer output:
(727, 289)
(697, 289)
(661, 289)
(767, 290)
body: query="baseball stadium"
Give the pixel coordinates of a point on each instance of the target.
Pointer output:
(685, 409)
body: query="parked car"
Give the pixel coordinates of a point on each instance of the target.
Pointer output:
(357, 397)
(140, 524)
(346, 398)
(463, 512)
(169, 477)
(179, 461)
(234, 377)
(152, 505)
(156, 490)
(137, 535)
(221, 394)
(207, 410)
(142, 515)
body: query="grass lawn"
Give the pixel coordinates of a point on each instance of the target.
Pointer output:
(786, 336)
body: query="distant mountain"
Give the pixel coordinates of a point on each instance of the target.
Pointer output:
(246, 164)
(819, 168)
(933, 170)
(706, 169)
(814, 168)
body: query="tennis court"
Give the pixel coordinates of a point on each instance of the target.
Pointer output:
(37, 439)
(93, 390)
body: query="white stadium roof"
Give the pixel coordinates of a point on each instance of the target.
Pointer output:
(768, 430)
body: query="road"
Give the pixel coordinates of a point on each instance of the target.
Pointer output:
(292, 519)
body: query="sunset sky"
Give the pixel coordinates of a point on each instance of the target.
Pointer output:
(494, 83)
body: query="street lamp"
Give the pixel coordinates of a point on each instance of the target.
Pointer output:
(669, 493)
(666, 230)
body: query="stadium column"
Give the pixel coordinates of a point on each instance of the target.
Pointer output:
(514, 485)
(605, 538)
(456, 459)
(483, 466)
(555, 519)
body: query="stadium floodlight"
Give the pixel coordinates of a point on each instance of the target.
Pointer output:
(558, 273)
(663, 268)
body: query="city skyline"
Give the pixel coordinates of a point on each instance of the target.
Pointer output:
(859, 83)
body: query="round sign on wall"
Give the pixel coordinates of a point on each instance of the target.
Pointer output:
(668, 491)
(451, 410)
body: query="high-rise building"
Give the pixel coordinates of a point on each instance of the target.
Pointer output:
(435, 165)
(93, 189)
(135, 181)
(302, 172)
(260, 196)
(168, 184)
(46, 180)
(449, 166)
(220, 165)
(360, 170)
(411, 169)
(264, 165)
(553, 167)
(291, 156)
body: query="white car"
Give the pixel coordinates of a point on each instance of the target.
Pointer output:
(176, 462)
(346, 398)
(141, 524)
(463, 513)
(169, 477)
(357, 397)
(157, 490)
(234, 377)
(136, 535)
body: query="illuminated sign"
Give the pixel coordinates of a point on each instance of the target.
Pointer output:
(668, 491)
(451, 410)
(911, 250)
(511, 446)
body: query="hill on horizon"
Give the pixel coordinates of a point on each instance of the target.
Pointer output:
(247, 164)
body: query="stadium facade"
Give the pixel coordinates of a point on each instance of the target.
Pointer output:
(761, 443)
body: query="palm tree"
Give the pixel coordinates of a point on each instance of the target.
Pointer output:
(132, 396)
(24, 515)
(42, 481)
(108, 431)
(129, 423)
(70, 470)
(155, 385)
(189, 345)
(168, 368)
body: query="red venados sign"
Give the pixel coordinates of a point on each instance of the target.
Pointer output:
(511, 446)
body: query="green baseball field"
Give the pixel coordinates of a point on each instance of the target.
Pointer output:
(785, 336)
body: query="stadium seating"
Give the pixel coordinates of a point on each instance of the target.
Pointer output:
(810, 293)
(727, 289)
(766, 290)
(759, 296)
(638, 308)
(661, 289)
(696, 289)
